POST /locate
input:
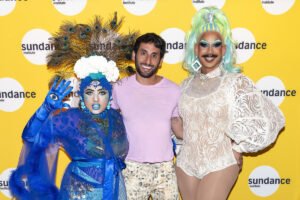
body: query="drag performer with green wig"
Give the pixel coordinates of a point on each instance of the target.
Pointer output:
(223, 113)
(93, 135)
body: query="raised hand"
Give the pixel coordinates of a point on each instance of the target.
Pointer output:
(54, 99)
(52, 102)
(56, 95)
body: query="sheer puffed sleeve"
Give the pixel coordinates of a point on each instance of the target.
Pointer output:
(254, 121)
(37, 162)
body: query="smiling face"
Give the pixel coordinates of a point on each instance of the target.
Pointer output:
(147, 60)
(210, 50)
(96, 99)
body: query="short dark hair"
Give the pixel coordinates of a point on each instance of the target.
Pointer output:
(151, 38)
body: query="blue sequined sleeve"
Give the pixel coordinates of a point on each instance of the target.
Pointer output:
(119, 142)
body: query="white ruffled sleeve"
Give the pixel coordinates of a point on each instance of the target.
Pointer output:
(254, 121)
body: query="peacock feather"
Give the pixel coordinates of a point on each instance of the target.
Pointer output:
(73, 41)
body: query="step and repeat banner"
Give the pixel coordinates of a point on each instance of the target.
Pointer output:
(267, 34)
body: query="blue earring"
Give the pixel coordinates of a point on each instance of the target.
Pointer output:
(196, 65)
(109, 103)
(82, 105)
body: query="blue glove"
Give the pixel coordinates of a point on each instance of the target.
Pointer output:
(52, 102)
(54, 99)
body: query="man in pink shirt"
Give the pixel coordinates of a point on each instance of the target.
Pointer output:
(148, 103)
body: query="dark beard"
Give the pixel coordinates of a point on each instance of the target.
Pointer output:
(138, 70)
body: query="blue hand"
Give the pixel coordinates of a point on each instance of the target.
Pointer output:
(55, 96)
(54, 99)
(52, 102)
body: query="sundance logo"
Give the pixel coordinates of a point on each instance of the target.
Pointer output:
(105, 46)
(274, 88)
(73, 97)
(128, 2)
(267, 2)
(175, 45)
(35, 46)
(198, 4)
(58, 2)
(265, 180)
(6, 7)
(32, 48)
(139, 7)
(277, 7)
(257, 182)
(16, 95)
(69, 7)
(12, 95)
(279, 93)
(4, 184)
(251, 45)
(246, 44)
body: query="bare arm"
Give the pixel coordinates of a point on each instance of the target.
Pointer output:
(176, 125)
(238, 156)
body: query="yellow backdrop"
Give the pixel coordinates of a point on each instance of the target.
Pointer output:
(268, 36)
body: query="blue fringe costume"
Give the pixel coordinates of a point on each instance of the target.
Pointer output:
(97, 145)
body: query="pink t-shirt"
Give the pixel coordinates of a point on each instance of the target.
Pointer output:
(147, 112)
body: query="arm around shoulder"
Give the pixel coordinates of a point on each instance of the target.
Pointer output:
(177, 127)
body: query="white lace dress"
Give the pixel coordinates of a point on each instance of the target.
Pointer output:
(219, 107)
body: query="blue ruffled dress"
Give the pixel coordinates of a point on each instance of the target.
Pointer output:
(97, 145)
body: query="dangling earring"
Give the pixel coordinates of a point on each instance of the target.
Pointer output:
(196, 65)
(109, 103)
(82, 105)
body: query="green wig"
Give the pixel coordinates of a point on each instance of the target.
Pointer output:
(210, 19)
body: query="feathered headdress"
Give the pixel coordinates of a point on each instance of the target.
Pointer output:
(74, 41)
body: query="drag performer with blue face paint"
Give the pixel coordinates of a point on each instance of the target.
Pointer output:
(223, 113)
(93, 135)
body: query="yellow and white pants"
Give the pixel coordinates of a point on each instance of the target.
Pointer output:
(157, 180)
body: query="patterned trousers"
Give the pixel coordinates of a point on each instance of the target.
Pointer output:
(157, 180)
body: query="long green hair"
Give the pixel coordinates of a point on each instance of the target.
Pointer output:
(217, 22)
